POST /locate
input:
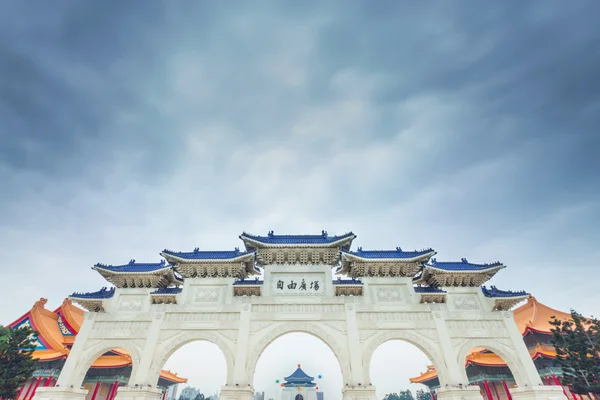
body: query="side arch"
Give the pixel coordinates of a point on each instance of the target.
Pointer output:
(419, 341)
(505, 352)
(91, 354)
(312, 329)
(170, 346)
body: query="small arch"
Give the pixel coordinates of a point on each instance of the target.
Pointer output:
(167, 349)
(421, 342)
(299, 397)
(506, 353)
(311, 329)
(91, 354)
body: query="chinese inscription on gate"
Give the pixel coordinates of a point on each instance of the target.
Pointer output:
(297, 285)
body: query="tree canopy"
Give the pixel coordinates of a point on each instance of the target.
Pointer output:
(402, 395)
(16, 363)
(423, 395)
(577, 344)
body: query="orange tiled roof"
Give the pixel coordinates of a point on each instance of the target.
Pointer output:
(532, 316)
(46, 323)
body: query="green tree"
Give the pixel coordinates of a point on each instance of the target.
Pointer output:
(406, 395)
(199, 396)
(16, 363)
(577, 344)
(391, 396)
(423, 395)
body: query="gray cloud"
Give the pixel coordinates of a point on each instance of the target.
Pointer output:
(126, 128)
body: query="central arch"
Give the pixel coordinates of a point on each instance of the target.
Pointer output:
(171, 345)
(421, 342)
(337, 345)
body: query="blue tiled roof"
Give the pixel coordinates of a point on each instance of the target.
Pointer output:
(103, 293)
(462, 265)
(248, 282)
(207, 255)
(132, 266)
(398, 253)
(323, 238)
(341, 281)
(495, 292)
(168, 290)
(428, 289)
(299, 376)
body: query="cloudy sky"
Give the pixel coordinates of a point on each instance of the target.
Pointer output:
(130, 127)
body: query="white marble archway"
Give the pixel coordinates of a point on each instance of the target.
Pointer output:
(336, 342)
(95, 350)
(503, 351)
(428, 347)
(171, 345)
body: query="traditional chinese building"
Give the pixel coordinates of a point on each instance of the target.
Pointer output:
(299, 386)
(57, 331)
(491, 373)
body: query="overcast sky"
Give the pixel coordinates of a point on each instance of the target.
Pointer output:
(130, 127)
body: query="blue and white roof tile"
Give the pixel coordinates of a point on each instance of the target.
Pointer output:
(210, 255)
(248, 282)
(101, 294)
(117, 273)
(397, 254)
(253, 242)
(456, 273)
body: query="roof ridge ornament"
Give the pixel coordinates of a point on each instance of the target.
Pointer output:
(464, 260)
(399, 249)
(131, 262)
(359, 249)
(196, 249)
(271, 234)
(324, 233)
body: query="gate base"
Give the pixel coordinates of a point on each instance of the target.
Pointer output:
(138, 393)
(59, 393)
(359, 393)
(538, 393)
(237, 393)
(454, 393)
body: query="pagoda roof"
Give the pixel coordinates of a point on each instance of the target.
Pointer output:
(253, 242)
(532, 316)
(340, 281)
(210, 255)
(495, 292)
(398, 254)
(103, 293)
(168, 291)
(299, 377)
(463, 265)
(134, 274)
(456, 273)
(248, 282)
(59, 327)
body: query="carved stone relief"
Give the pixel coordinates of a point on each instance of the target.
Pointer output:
(465, 302)
(126, 330)
(130, 303)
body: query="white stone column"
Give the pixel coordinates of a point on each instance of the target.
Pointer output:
(142, 377)
(533, 388)
(453, 367)
(358, 387)
(138, 393)
(241, 350)
(72, 364)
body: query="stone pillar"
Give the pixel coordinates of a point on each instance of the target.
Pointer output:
(459, 393)
(138, 393)
(358, 393)
(142, 370)
(241, 351)
(60, 393)
(453, 371)
(72, 363)
(533, 388)
(236, 393)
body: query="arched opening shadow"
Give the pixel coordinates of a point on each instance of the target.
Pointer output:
(491, 371)
(281, 358)
(201, 362)
(394, 363)
(107, 370)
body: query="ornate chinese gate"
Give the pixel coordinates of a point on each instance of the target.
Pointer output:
(211, 295)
